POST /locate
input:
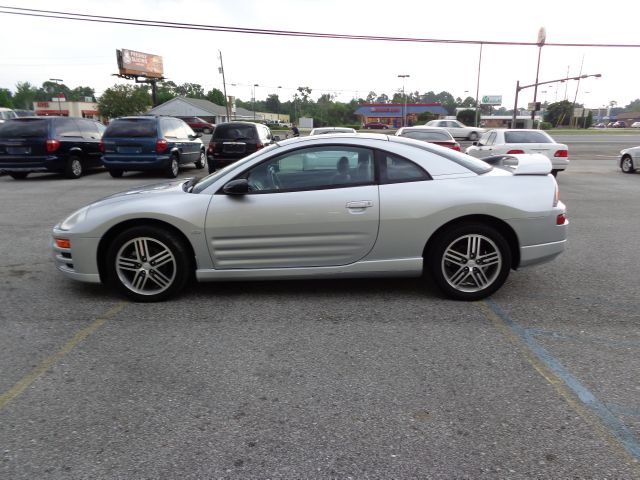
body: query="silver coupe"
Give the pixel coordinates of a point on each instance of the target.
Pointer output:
(327, 206)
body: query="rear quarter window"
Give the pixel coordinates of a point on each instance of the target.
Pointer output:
(527, 137)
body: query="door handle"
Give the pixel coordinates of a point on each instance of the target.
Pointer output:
(360, 204)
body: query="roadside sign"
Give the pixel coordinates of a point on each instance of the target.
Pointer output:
(491, 100)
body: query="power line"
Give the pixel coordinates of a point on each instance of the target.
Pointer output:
(288, 33)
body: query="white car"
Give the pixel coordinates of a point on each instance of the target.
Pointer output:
(635, 125)
(501, 141)
(458, 129)
(629, 159)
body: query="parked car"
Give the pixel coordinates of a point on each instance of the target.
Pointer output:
(235, 140)
(375, 126)
(517, 141)
(325, 130)
(25, 113)
(458, 129)
(436, 135)
(635, 125)
(629, 159)
(150, 143)
(385, 206)
(600, 125)
(49, 144)
(198, 125)
(7, 114)
(619, 124)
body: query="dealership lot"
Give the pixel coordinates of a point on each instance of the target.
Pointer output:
(377, 378)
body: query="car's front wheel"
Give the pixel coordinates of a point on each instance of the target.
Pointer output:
(202, 160)
(469, 261)
(148, 264)
(115, 173)
(627, 164)
(473, 136)
(18, 175)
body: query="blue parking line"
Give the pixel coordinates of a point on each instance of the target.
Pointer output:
(563, 336)
(616, 428)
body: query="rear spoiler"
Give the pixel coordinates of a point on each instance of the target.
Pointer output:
(522, 163)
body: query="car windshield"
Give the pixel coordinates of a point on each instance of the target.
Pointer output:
(426, 135)
(527, 137)
(24, 128)
(209, 179)
(234, 132)
(132, 127)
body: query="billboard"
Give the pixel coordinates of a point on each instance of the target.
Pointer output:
(141, 64)
(491, 100)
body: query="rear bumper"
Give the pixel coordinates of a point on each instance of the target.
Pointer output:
(50, 163)
(138, 162)
(534, 254)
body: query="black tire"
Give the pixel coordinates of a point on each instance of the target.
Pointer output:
(211, 165)
(115, 173)
(554, 172)
(131, 268)
(202, 160)
(626, 164)
(173, 167)
(473, 136)
(74, 168)
(469, 276)
(18, 175)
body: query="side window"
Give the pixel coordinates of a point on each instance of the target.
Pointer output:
(67, 127)
(171, 127)
(396, 169)
(484, 138)
(101, 128)
(185, 129)
(314, 169)
(492, 138)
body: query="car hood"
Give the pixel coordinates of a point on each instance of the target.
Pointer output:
(164, 188)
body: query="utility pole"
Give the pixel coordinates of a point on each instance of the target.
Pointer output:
(224, 86)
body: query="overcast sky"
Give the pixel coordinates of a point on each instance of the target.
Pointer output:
(83, 53)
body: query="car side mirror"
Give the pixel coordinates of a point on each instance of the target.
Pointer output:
(239, 186)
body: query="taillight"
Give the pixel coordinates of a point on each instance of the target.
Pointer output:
(211, 148)
(456, 147)
(161, 145)
(52, 145)
(561, 154)
(259, 146)
(561, 219)
(515, 152)
(102, 146)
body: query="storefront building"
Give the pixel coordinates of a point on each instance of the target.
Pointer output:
(67, 109)
(392, 114)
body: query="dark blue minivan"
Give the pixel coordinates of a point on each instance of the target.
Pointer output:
(150, 143)
(49, 144)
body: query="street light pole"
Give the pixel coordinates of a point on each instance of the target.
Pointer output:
(542, 37)
(404, 97)
(224, 86)
(254, 100)
(58, 94)
(278, 104)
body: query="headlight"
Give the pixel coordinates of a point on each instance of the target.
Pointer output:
(77, 216)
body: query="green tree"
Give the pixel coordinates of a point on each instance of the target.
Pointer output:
(216, 96)
(121, 100)
(25, 95)
(468, 117)
(559, 113)
(191, 90)
(5, 98)
(78, 94)
(633, 106)
(272, 104)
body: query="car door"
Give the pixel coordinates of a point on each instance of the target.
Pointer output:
(455, 129)
(299, 212)
(485, 147)
(91, 136)
(191, 144)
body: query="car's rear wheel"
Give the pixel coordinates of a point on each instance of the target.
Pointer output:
(202, 160)
(115, 173)
(627, 164)
(73, 169)
(18, 175)
(148, 264)
(554, 172)
(469, 261)
(174, 167)
(473, 136)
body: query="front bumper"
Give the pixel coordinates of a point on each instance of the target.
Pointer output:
(78, 262)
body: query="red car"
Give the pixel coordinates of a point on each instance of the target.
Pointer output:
(438, 135)
(199, 125)
(375, 125)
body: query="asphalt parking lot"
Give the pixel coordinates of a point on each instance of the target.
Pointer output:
(326, 379)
